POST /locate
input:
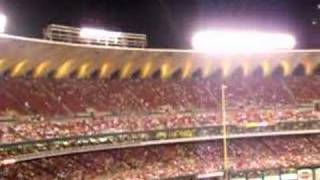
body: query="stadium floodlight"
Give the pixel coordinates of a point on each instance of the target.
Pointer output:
(213, 42)
(3, 23)
(92, 33)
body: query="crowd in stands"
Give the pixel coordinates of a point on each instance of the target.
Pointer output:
(304, 89)
(151, 104)
(48, 97)
(24, 131)
(269, 116)
(173, 160)
(69, 96)
(44, 129)
(53, 109)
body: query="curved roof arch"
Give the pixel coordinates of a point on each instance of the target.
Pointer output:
(20, 55)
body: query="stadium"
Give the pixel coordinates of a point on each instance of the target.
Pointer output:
(71, 108)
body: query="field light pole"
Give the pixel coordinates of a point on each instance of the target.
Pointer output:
(225, 145)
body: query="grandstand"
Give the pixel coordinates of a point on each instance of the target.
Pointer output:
(76, 111)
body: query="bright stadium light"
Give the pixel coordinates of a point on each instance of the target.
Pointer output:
(213, 42)
(3, 23)
(8, 161)
(92, 33)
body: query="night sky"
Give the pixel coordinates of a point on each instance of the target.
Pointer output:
(168, 23)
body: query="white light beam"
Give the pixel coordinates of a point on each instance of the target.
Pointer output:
(3, 23)
(92, 33)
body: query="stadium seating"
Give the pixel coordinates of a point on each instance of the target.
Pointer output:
(150, 104)
(59, 120)
(69, 96)
(43, 129)
(173, 160)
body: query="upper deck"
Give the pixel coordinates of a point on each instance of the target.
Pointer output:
(20, 56)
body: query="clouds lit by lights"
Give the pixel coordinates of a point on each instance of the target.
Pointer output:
(213, 42)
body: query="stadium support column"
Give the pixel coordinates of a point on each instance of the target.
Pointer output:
(225, 145)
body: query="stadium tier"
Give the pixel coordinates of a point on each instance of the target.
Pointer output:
(70, 111)
(255, 154)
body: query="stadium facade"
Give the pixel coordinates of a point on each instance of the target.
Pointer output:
(74, 111)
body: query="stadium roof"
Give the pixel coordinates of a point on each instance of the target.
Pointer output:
(19, 56)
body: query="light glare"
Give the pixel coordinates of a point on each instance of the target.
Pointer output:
(241, 42)
(3, 23)
(97, 33)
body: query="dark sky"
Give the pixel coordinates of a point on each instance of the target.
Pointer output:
(168, 23)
